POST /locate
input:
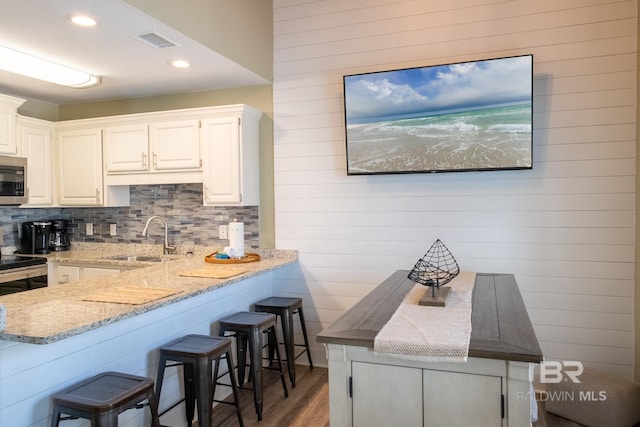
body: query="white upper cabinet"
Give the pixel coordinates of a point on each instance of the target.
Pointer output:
(80, 167)
(230, 154)
(35, 144)
(221, 150)
(92, 162)
(8, 114)
(80, 173)
(175, 145)
(149, 147)
(126, 148)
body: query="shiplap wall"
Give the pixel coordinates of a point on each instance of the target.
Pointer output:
(565, 228)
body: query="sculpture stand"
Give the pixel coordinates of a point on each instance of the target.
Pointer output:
(437, 300)
(435, 269)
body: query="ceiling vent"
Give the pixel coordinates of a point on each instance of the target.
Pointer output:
(156, 40)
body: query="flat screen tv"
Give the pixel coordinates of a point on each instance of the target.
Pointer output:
(465, 116)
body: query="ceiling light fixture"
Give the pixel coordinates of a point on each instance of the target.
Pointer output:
(180, 63)
(81, 20)
(21, 63)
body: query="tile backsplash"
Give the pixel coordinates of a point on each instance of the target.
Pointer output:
(190, 223)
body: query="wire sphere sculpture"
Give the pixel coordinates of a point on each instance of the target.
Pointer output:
(436, 268)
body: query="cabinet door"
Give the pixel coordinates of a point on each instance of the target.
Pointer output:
(67, 274)
(80, 171)
(91, 272)
(8, 115)
(175, 145)
(36, 147)
(386, 395)
(221, 157)
(126, 148)
(453, 398)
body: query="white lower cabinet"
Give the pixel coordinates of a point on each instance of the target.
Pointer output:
(387, 395)
(92, 272)
(454, 398)
(63, 274)
(60, 274)
(375, 389)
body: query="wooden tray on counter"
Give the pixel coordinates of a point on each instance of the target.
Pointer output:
(248, 257)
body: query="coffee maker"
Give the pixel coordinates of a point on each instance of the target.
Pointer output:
(35, 237)
(58, 237)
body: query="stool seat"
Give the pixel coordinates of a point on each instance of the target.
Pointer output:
(190, 346)
(285, 308)
(103, 397)
(280, 302)
(249, 320)
(196, 353)
(248, 328)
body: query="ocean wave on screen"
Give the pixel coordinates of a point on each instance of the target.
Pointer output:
(511, 128)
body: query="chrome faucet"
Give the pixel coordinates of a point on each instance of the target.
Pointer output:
(166, 248)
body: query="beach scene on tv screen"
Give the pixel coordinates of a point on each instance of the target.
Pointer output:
(464, 116)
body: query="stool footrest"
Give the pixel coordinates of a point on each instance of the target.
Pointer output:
(196, 353)
(170, 407)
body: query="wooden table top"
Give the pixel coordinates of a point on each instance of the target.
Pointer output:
(501, 328)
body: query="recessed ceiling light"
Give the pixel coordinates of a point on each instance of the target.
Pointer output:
(81, 20)
(180, 63)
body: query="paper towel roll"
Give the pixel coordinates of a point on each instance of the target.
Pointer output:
(236, 238)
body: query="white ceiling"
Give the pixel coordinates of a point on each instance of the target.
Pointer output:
(128, 67)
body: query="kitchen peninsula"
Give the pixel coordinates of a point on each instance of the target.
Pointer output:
(59, 335)
(493, 387)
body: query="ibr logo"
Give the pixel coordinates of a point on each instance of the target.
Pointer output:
(552, 371)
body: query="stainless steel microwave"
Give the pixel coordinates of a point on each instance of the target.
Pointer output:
(13, 180)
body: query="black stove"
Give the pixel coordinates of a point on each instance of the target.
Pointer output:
(22, 273)
(16, 261)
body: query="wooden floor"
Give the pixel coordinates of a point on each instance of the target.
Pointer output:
(307, 404)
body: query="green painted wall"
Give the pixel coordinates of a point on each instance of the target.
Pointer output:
(241, 30)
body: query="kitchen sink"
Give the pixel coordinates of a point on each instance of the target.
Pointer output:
(141, 258)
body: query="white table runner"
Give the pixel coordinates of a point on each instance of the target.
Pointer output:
(437, 334)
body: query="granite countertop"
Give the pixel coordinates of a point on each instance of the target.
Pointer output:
(46, 315)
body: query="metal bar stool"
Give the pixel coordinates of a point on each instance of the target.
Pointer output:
(103, 397)
(285, 308)
(249, 327)
(196, 353)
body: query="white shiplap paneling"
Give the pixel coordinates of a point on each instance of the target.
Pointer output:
(565, 228)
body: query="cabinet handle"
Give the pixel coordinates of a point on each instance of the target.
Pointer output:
(155, 160)
(97, 196)
(144, 160)
(65, 279)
